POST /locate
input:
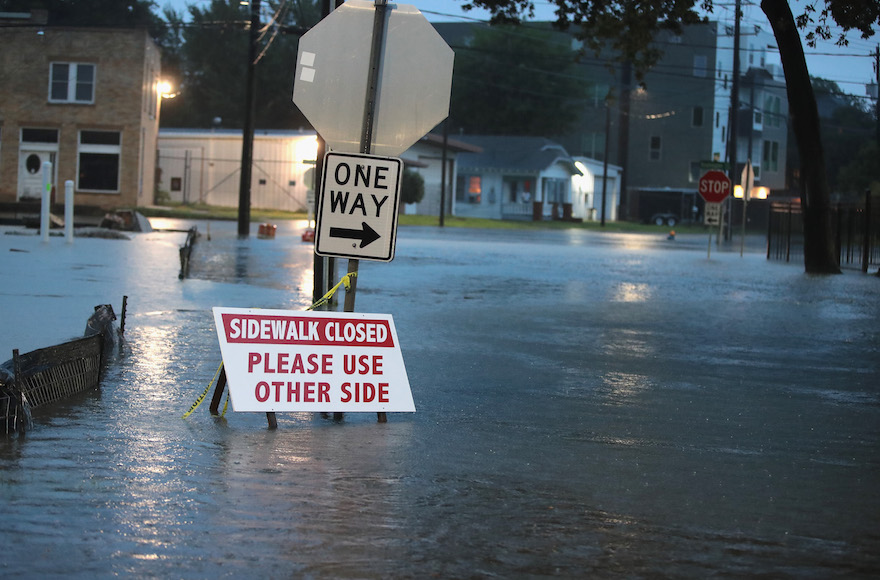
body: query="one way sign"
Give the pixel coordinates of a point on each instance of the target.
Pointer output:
(357, 217)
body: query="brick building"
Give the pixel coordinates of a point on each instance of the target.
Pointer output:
(85, 100)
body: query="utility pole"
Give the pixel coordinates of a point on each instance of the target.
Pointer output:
(605, 155)
(443, 162)
(247, 141)
(623, 134)
(734, 114)
(877, 94)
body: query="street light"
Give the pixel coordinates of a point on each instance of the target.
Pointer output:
(166, 90)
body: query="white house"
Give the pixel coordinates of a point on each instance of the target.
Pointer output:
(587, 190)
(426, 158)
(490, 177)
(515, 178)
(204, 166)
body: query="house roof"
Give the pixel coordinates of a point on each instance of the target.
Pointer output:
(514, 154)
(452, 144)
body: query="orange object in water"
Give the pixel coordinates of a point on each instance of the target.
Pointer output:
(308, 235)
(266, 231)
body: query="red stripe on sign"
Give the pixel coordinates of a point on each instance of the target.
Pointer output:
(260, 329)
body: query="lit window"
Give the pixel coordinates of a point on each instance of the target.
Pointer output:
(474, 185)
(469, 189)
(71, 82)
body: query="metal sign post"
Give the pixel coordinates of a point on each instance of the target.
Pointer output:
(367, 127)
(747, 180)
(714, 187)
(374, 107)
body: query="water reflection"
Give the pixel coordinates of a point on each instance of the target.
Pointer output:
(312, 491)
(620, 388)
(631, 292)
(628, 342)
(242, 254)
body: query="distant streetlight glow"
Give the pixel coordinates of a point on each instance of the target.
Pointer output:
(756, 192)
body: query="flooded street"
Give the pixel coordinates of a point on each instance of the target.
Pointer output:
(588, 405)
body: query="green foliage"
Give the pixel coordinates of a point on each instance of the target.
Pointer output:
(819, 21)
(846, 129)
(412, 187)
(626, 27)
(210, 55)
(516, 81)
(862, 173)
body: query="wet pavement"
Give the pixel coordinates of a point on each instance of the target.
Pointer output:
(588, 405)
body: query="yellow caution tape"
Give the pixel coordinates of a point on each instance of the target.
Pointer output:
(204, 394)
(345, 281)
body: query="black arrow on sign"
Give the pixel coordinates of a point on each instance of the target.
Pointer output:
(366, 235)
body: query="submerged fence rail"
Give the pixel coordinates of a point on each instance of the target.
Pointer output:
(856, 233)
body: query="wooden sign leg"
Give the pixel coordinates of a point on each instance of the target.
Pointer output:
(218, 392)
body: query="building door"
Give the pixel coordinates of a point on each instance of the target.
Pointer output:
(30, 172)
(37, 146)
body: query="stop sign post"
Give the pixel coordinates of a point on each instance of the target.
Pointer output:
(714, 187)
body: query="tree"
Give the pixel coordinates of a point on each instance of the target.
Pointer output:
(862, 172)
(412, 187)
(630, 26)
(847, 125)
(211, 53)
(504, 85)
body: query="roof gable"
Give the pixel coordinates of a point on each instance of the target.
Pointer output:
(514, 154)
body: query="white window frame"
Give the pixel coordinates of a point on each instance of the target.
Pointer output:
(100, 149)
(72, 82)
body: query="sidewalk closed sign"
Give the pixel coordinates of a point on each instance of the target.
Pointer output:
(280, 360)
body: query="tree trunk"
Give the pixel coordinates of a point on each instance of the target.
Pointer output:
(820, 256)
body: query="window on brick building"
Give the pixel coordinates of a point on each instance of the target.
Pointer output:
(98, 161)
(72, 82)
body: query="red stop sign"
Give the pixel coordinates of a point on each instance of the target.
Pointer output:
(714, 186)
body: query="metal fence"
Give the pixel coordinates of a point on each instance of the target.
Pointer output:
(856, 233)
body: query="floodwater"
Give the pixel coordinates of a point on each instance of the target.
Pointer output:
(588, 405)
